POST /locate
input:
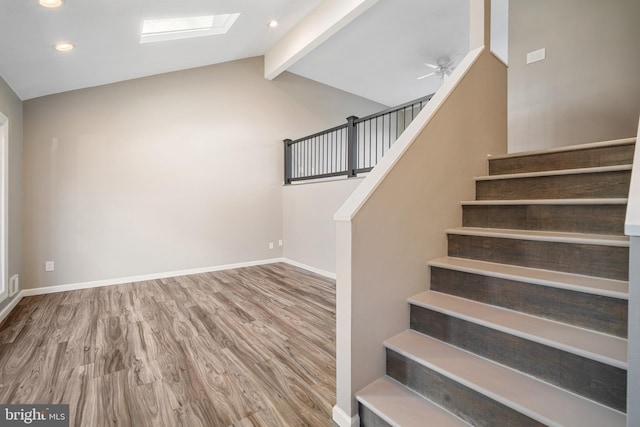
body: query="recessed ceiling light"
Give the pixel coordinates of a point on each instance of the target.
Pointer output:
(273, 23)
(156, 30)
(63, 46)
(50, 3)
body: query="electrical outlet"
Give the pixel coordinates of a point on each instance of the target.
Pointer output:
(536, 55)
(270, 245)
(49, 266)
(14, 285)
(279, 242)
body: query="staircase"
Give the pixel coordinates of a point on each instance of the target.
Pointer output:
(525, 323)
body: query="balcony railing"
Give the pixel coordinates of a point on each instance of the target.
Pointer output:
(349, 149)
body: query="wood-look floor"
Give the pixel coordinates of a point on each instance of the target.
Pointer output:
(247, 347)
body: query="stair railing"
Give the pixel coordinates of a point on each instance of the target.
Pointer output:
(349, 149)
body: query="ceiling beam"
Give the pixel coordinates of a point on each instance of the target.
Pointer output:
(324, 21)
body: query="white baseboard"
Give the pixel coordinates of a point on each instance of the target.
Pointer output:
(119, 281)
(343, 420)
(5, 311)
(319, 271)
(131, 279)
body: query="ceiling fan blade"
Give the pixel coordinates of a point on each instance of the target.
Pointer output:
(435, 67)
(425, 76)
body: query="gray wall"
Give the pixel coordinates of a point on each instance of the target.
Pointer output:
(11, 106)
(165, 173)
(588, 88)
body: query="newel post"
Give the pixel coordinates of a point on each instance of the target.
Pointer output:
(352, 146)
(287, 161)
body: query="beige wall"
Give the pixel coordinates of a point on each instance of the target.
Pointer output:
(308, 226)
(588, 88)
(165, 173)
(11, 106)
(398, 219)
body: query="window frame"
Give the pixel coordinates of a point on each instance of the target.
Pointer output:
(4, 204)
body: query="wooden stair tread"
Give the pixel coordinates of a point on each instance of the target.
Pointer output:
(536, 399)
(599, 169)
(597, 346)
(401, 407)
(611, 201)
(546, 236)
(578, 147)
(575, 282)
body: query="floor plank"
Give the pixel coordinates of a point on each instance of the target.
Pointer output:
(246, 347)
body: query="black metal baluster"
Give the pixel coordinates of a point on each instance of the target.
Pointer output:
(341, 151)
(287, 161)
(336, 151)
(353, 145)
(324, 153)
(329, 151)
(320, 156)
(370, 141)
(314, 155)
(294, 166)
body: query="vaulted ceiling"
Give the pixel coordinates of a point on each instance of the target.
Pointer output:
(382, 52)
(378, 55)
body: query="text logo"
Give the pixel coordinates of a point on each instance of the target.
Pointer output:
(34, 415)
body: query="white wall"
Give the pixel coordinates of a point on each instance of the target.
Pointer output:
(11, 107)
(633, 375)
(164, 173)
(308, 226)
(588, 88)
(500, 29)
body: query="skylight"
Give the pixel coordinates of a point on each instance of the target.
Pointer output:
(157, 30)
